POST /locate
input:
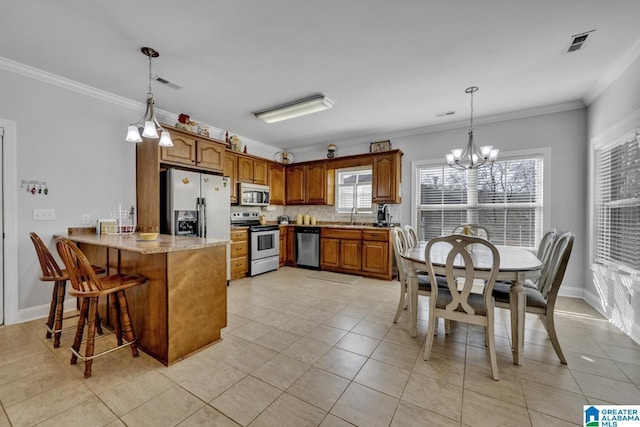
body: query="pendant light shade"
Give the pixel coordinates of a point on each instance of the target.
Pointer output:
(148, 126)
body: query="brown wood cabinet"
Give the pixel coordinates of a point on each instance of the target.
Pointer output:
(194, 151)
(387, 176)
(356, 251)
(239, 252)
(291, 246)
(230, 170)
(309, 184)
(283, 246)
(253, 170)
(276, 183)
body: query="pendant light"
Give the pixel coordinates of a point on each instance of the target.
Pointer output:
(471, 157)
(148, 126)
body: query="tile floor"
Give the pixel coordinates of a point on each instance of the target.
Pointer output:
(300, 351)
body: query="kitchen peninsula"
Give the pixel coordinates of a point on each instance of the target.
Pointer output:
(183, 305)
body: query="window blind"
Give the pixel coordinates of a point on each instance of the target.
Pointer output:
(354, 190)
(617, 205)
(505, 197)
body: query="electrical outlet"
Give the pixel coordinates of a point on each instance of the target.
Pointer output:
(44, 214)
(86, 219)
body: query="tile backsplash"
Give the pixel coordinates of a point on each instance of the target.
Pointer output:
(321, 212)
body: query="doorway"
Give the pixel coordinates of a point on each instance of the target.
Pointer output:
(8, 226)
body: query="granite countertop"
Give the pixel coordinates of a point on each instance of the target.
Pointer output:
(359, 225)
(133, 242)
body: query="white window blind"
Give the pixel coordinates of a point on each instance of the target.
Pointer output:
(505, 197)
(353, 189)
(617, 205)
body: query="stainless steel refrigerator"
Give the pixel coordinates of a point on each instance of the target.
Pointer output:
(197, 204)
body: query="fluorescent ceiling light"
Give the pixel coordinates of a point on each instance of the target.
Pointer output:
(296, 109)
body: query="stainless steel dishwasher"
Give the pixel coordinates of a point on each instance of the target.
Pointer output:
(308, 247)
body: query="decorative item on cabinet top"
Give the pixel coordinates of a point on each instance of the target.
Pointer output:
(331, 151)
(284, 157)
(376, 147)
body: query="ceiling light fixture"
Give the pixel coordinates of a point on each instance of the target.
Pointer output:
(470, 157)
(148, 126)
(295, 109)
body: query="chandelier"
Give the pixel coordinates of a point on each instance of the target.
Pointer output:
(471, 157)
(148, 126)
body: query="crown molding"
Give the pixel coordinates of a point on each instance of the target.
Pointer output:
(610, 76)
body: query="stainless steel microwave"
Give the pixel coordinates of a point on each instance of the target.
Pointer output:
(253, 194)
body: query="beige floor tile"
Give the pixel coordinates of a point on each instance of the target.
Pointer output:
(342, 321)
(371, 329)
(542, 420)
(631, 371)
(214, 379)
(385, 378)
(595, 365)
(481, 410)
(434, 395)
(408, 415)
(307, 350)
(553, 375)
(298, 326)
(207, 416)
(396, 355)
(131, 394)
(630, 356)
(247, 357)
(169, 408)
(289, 411)
(508, 389)
(327, 334)
(333, 421)
(47, 404)
(251, 331)
(281, 371)
(363, 406)
(341, 362)
(618, 392)
(32, 385)
(277, 339)
(246, 400)
(554, 402)
(319, 388)
(90, 412)
(441, 368)
(358, 344)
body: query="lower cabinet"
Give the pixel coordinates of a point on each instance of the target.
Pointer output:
(239, 252)
(356, 251)
(283, 246)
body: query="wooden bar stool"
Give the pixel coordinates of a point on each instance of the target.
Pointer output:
(89, 287)
(51, 272)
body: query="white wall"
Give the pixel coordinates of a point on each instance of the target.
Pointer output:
(74, 142)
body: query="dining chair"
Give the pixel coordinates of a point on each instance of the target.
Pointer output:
(90, 288)
(51, 272)
(400, 245)
(458, 302)
(473, 230)
(412, 236)
(542, 300)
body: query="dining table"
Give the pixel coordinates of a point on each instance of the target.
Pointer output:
(516, 265)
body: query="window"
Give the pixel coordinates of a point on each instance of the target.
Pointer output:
(506, 198)
(353, 189)
(617, 205)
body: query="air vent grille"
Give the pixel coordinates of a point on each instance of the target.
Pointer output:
(445, 113)
(168, 83)
(578, 41)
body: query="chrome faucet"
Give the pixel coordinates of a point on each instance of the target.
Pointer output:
(354, 210)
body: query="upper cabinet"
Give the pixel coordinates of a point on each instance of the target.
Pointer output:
(193, 150)
(387, 177)
(310, 183)
(230, 170)
(276, 183)
(253, 170)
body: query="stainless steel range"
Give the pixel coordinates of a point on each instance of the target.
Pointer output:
(264, 242)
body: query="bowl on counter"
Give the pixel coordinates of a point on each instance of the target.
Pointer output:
(149, 236)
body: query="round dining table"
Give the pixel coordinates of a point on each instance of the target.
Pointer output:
(516, 265)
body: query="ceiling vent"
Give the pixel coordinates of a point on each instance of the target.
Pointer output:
(168, 83)
(578, 41)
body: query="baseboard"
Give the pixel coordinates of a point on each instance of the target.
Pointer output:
(571, 292)
(42, 311)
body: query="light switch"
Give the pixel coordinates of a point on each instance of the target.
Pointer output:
(44, 214)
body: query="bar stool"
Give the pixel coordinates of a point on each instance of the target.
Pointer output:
(89, 287)
(51, 272)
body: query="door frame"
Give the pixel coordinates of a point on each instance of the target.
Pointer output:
(10, 225)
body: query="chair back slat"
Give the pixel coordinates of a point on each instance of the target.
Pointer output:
(411, 236)
(81, 274)
(48, 264)
(550, 282)
(400, 246)
(473, 229)
(457, 255)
